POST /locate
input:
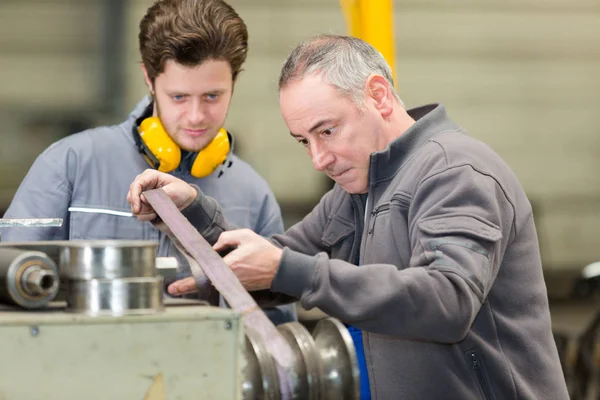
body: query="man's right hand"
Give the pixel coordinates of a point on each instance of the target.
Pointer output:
(180, 192)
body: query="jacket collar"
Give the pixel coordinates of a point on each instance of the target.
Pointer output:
(430, 120)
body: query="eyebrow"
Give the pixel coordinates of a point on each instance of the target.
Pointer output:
(185, 92)
(217, 91)
(314, 127)
(318, 125)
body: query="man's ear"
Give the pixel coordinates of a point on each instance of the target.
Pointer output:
(379, 91)
(148, 80)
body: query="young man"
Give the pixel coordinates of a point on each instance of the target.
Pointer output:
(426, 246)
(192, 53)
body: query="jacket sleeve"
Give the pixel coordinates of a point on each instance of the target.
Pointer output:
(44, 193)
(206, 216)
(459, 223)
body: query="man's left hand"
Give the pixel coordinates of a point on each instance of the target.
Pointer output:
(254, 261)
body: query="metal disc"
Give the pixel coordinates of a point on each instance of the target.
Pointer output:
(260, 374)
(341, 376)
(307, 370)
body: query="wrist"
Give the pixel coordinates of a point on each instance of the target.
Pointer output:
(192, 194)
(275, 261)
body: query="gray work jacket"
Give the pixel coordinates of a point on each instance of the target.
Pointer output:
(444, 275)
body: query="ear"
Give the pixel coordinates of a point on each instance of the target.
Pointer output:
(147, 79)
(380, 93)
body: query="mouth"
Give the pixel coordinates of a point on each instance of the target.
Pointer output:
(195, 132)
(337, 176)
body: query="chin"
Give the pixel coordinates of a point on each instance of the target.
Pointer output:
(354, 188)
(193, 146)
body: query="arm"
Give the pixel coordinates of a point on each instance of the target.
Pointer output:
(44, 193)
(204, 213)
(456, 223)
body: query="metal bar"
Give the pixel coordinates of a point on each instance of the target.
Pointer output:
(30, 222)
(223, 278)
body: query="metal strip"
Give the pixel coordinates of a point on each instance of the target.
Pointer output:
(30, 222)
(223, 278)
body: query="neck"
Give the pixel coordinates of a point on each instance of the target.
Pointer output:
(396, 124)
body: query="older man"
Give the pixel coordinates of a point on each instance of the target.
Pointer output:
(426, 247)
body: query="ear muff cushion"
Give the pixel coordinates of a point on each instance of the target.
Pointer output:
(159, 143)
(213, 155)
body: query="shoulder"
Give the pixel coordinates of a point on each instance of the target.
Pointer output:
(96, 139)
(241, 174)
(458, 148)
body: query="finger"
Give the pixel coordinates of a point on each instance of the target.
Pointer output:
(133, 196)
(228, 239)
(144, 181)
(230, 258)
(147, 216)
(183, 286)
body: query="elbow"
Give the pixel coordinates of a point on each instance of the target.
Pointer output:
(456, 325)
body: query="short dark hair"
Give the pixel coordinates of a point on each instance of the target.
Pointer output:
(191, 32)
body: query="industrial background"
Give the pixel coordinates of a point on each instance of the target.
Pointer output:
(520, 75)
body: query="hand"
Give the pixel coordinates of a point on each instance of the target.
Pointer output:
(254, 261)
(180, 192)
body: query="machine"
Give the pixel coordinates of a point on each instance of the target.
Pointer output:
(89, 319)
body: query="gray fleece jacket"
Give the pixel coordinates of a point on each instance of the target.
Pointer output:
(444, 276)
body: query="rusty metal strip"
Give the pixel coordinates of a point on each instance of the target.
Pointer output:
(223, 278)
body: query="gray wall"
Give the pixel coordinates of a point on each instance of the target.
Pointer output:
(520, 75)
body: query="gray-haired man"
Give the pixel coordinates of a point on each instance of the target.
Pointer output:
(426, 247)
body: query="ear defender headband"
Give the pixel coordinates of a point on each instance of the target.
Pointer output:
(162, 153)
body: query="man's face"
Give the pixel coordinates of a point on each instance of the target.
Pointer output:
(192, 102)
(338, 136)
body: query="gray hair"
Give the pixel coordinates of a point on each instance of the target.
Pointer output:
(345, 62)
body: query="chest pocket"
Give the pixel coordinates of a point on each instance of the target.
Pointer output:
(338, 236)
(101, 224)
(387, 236)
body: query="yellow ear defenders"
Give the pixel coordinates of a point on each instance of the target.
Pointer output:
(163, 154)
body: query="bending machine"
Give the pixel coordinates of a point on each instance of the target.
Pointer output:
(89, 319)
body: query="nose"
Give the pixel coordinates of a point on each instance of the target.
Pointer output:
(321, 157)
(196, 113)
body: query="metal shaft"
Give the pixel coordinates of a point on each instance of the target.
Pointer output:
(27, 278)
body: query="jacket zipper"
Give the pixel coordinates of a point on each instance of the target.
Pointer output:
(476, 365)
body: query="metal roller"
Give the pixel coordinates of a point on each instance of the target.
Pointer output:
(108, 259)
(306, 370)
(260, 373)
(115, 297)
(337, 356)
(27, 278)
(325, 365)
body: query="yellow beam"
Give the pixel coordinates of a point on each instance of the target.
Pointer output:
(372, 21)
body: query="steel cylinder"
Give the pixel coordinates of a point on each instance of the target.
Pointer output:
(115, 297)
(108, 259)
